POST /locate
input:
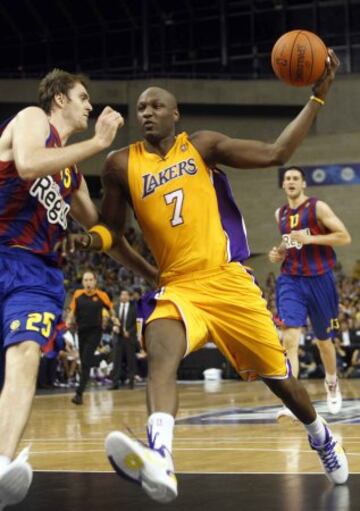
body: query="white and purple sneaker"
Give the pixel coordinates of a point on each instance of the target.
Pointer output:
(150, 467)
(332, 458)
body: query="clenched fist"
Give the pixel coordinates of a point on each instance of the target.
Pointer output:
(277, 254)
(107, 124)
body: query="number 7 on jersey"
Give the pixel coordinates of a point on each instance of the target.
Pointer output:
(177, 196)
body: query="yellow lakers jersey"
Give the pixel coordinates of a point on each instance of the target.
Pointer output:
(177, 207)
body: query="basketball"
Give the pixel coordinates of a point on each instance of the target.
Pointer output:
(298, 58)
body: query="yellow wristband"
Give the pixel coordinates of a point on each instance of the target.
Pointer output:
(105, 235)
(317, 100)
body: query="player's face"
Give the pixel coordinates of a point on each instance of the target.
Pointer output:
(293, 184)
(156, 116)
(89, 281)
(78, 107)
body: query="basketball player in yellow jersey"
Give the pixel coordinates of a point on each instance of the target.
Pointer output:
(196, 234)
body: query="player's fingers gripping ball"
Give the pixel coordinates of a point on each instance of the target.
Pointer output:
(299, 57)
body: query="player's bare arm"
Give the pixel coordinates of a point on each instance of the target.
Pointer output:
(218, 148)
(277, 254)
(84, 211)
(116, 197)
(34, 160)
(113, 213)
(338, 236)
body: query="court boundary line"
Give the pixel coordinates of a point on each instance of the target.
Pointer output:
(192, 473)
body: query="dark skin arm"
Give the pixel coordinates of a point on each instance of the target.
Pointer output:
(218, 148)
(83, 210)
(114, 209)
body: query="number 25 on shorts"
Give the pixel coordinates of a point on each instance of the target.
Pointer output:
(40, 322)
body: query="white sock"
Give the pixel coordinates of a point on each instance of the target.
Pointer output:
(161, 426)
(317, 431)
(4, 462)
(331, 379)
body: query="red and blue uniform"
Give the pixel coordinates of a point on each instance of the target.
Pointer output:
(308, 260)
(33, 218)
(306, 286)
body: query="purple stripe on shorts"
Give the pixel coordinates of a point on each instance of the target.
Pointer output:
(231, 218)
(289, 368)
(146, 306)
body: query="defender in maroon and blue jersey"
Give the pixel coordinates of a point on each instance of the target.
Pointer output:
(33, 213)
(33, 219)
(39, 186)
(306, 286)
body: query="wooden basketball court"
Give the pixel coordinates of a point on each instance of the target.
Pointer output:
(228, 449)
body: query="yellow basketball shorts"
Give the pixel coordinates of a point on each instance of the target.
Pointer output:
(223, 305)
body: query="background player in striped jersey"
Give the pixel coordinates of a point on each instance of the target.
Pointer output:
(306, 286)
(39, 186)
(195, 231)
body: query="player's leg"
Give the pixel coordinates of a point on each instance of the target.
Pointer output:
(292, 313)
(291, 340)
(328, 357)
(293, 394)
(22, 365)
(332, 456)
(245, 332)
(165, 342)
(323, 311)
(32, 305)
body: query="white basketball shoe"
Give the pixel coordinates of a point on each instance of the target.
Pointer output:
(151, 468)
(332, 458)
(15, 480)
(334, 397)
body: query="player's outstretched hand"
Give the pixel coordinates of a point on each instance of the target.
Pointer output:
(321, 87)
(72, 242)
(107, 124)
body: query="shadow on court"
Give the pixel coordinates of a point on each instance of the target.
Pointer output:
(59, 491)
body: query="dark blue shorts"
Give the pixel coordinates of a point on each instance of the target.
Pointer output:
(32, 297)
(315, 297)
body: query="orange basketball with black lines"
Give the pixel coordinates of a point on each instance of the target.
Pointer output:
(298, 58)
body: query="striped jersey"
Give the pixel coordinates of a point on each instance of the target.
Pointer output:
(33, 214)
(304, 260)
(185, 210)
